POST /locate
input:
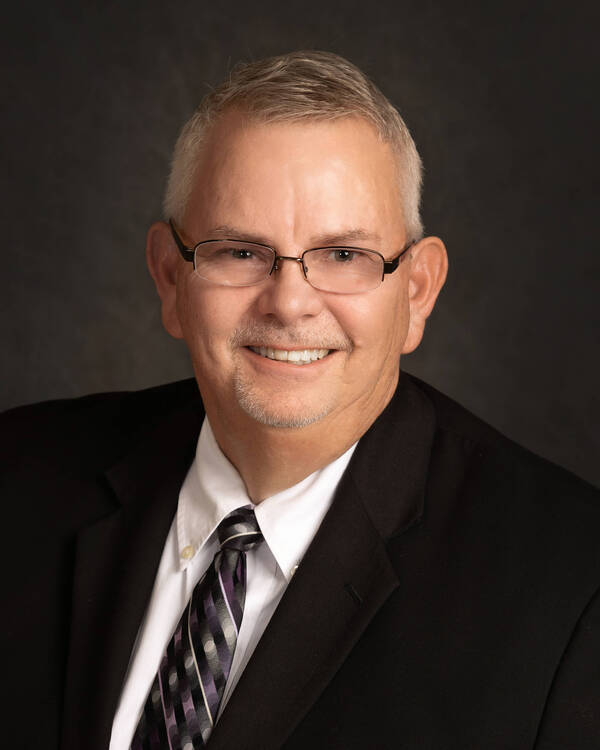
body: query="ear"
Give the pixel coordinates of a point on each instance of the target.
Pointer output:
(163, 261)
(428, 269)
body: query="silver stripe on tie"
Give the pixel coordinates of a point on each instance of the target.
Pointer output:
(243, 533)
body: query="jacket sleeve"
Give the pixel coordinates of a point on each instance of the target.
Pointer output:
(571, 719)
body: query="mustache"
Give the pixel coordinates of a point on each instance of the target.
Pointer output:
(280, 337)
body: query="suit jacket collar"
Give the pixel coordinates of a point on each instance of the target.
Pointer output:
(344, 579)
(390, 464)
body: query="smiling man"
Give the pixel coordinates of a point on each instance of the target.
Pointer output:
(303, 547)
(288, 323)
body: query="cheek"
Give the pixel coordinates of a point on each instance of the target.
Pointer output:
(190, 311)
(198, 319)
(209, 316)
(377, 324)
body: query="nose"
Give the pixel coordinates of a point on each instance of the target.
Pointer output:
(287, 295)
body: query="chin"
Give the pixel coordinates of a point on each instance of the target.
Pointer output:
(292, 413)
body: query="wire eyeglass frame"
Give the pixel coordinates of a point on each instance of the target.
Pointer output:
(388, 266)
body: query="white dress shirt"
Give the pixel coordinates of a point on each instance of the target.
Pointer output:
(211, 490)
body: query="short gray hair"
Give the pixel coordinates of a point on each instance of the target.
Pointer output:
(298, 86)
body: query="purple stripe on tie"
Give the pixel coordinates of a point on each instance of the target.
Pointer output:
(235, 597)
(228, 596)
(218, 660)
(206, 676)
(209, 629)
(169, 715)
(175, 656)
(210, 689)
(188, 710)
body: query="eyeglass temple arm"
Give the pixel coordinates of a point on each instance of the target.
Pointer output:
(389, 266)
(186, 253)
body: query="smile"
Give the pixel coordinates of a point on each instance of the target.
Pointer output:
(295, 356)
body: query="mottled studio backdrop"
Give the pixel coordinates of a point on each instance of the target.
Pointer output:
(501, 99)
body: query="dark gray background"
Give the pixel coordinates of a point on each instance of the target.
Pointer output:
(500, 97)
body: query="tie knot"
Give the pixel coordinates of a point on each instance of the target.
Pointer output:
(239, 531)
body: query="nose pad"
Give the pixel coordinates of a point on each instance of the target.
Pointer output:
(277, 267)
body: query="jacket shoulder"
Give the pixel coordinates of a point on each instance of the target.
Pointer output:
(100, 423)
(455, 420)
(532, 503)
(533, 500)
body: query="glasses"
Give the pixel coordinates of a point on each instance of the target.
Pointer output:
(340, 269)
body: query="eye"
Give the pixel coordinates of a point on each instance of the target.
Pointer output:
(241, 254)
(342, 255)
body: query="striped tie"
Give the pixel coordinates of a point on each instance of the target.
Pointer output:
(184, 700)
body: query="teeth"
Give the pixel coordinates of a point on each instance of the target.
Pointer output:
(297, 356)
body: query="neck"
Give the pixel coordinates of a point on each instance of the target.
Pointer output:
(271, 459)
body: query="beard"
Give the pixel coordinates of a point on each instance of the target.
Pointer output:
(292, 412)
(258, 406)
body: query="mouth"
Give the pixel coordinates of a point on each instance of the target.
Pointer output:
(294, 356)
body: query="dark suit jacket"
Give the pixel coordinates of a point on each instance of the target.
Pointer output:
(449, 600)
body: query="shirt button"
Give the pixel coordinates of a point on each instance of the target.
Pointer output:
(293, 570)
(188, 552)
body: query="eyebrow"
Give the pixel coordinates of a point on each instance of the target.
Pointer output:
(342, 237)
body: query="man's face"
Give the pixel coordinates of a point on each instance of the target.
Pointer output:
(294, 186)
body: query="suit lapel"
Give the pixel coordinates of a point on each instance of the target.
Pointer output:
(116, 562)
(344, 579)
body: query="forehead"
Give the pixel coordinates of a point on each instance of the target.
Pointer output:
(294, 177)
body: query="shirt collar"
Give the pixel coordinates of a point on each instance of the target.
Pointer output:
(288, 520)
(212, 489)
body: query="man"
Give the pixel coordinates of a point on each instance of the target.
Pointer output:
(315, 550)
